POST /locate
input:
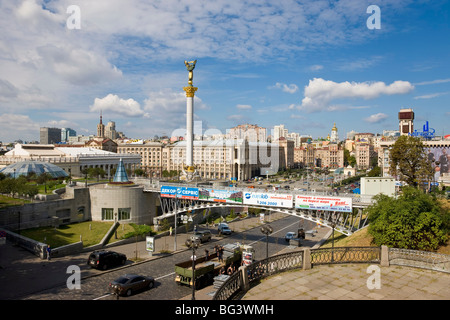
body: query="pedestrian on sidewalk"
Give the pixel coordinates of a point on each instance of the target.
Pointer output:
(49, 252)
(221, 254)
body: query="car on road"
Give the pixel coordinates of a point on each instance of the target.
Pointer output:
(103, 259)
(201, 236)
(130, 283)
(289, 236)
(223, 228)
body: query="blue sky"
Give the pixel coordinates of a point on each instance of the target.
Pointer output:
(304, 64)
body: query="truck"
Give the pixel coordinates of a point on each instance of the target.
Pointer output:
(206, 268)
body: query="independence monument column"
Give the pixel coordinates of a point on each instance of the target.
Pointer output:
(189, 171)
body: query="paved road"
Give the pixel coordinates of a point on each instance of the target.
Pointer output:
(26, 277)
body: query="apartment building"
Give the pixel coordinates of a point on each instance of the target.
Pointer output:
(151, 156)
(326, 156)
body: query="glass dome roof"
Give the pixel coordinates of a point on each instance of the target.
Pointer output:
(38, 167)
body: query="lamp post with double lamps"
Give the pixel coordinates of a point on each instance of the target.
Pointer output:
(193, 245)
(267, 229)
(333, 225)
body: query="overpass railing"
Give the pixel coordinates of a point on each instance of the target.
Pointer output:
(357, 198)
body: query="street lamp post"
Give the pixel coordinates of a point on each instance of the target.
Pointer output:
(267, 229)
(175, 238)
(333, 225)
(193, 245)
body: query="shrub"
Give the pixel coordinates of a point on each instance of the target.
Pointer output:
(413, 221)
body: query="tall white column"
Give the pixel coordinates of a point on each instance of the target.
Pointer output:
(189, 169)
(189, 131)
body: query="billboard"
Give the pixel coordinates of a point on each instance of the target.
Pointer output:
(187, 193)
(440, 159)
(269, 199)
(179, 192)
(323, 203)
(168, 192)
(228, 196)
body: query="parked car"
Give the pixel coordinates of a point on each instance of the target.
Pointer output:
(129, 283)
(223, 228)
(201, 236)
(289, 236)
(103, 259)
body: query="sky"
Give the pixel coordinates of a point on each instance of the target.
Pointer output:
(304, 64)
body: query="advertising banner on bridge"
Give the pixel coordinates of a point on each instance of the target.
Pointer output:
(179, 192)
(323, 203)
(228, 196)
(168, 192)
(187, 193)
(269, 199)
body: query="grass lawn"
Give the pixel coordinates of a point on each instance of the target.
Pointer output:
(92, 232)
(41, 188)
(7, 201)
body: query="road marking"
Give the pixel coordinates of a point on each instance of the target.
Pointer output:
(274, 232)
(104, 296)
(165, 276)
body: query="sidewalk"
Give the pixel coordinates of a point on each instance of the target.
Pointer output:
(349, 282)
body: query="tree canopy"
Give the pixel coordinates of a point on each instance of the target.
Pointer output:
(412, 221)
(409, 161)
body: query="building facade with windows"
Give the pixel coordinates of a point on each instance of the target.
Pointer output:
(330, 156)
(49, 135)
(151, 154)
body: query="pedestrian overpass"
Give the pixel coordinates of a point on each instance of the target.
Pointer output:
(344, 219)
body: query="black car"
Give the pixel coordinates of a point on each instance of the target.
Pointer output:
(129, 283)
(103, 259)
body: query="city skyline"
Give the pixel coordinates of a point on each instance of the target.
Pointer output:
(305, 65)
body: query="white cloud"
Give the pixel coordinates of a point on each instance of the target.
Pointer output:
(115, 104)
(319, 92)
(316, 67)
(168, 110)
(292, 88)
(236, 117)
(244, 106)
(376, 118)
(60, 124)
(358, 64)
(77, 66)
(432, 82)
(15, 126)
(431, 95)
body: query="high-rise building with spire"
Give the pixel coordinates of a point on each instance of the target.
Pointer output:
(100, 128)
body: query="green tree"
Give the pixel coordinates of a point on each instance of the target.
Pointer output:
(139, 172)
(30, 190)
(375, 172)
(42, 179)
(96, 172)
(412, 221)
(409, 161)
(352, 161)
